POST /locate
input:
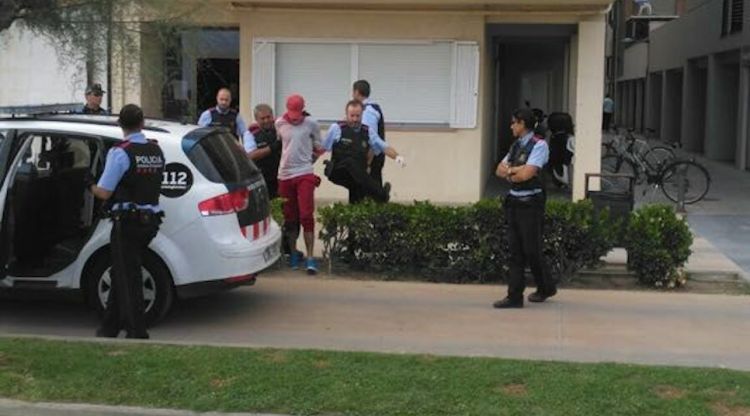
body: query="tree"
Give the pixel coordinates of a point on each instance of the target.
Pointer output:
(91, 30)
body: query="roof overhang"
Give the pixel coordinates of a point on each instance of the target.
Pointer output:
(451, 6)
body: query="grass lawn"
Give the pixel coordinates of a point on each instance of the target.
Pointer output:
(338, 383)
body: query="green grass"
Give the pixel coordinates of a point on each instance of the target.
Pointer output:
(338, 383)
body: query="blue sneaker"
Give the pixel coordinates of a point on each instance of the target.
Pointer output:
(294, 260)
(312, 266)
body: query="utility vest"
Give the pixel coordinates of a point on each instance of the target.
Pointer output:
(381, 120)
(141, 184)
(269, 165)
(228, 120)
(353, 145)
(518, 156)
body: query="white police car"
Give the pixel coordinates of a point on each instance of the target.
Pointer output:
(217, 232)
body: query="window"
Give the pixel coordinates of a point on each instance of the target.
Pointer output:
(416, 82)
(732, 17)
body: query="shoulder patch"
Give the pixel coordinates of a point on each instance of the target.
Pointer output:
(254, 128)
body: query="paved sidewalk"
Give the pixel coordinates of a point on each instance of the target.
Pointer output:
(20, 408)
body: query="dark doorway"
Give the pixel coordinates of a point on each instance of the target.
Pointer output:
(213, 74)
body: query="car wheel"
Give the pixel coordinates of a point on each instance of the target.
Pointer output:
(158, 292)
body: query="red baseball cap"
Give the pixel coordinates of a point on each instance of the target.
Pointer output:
(295, 105)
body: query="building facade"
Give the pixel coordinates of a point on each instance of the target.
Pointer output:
(447, 74)
(689, 80)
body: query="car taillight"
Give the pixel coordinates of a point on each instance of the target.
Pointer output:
(224, 204)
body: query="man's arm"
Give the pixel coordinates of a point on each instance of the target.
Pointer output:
(205, 119)
(251, 147)
(537, 159)
(378, 145)
(241, 126)
(503, 168)
(333, 135)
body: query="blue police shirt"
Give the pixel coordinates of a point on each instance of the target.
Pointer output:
(82, 109)
(205, 120)
(370, 118)
(334, 135)
(116, 165)
(538, 157)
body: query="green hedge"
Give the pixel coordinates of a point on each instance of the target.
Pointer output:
(456, 244)
(658, 245)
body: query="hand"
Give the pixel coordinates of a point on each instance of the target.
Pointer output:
(401, 161)
(89, 180)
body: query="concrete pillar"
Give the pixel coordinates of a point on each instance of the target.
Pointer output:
(721, 115)
(589, 96)
(246, 69)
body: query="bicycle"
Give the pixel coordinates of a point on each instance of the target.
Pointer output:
(630, 147)
(679, 180)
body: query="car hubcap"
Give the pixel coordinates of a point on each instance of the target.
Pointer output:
(149, 289)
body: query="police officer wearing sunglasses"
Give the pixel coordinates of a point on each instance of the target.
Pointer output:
(94, 94)
(524, 212)
(131, 184)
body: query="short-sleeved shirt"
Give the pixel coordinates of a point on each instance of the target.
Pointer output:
(334, 135)
(115, 167)
(86, 110)
(298, 144)
(371, 118)
(538, 157)
(205, 120)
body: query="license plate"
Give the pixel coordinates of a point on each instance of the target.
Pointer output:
(271, 252)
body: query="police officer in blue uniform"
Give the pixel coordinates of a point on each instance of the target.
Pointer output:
(94, 94)
(524, 211)
(352, 144)
(224, 116)
(131, 184)
(372, 117)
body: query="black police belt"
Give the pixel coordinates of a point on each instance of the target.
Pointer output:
(143, 216)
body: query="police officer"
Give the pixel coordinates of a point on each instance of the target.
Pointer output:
(264, 147)
(524, 211)
(131, 184)
(352, 144)
(372, 117)
(94, 94)
(224, 116)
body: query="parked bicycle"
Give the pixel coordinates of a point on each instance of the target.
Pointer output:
(679, 180)
(629, 147)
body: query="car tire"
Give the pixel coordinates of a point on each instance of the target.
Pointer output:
(159, 291)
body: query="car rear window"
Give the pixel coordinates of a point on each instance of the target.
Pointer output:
(218, 156)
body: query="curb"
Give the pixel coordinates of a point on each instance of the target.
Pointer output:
(20, 408)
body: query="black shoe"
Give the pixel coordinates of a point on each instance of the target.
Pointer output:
(541, 296)
(387, 191)
(508, 303)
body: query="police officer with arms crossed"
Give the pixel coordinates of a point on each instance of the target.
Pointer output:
(93, 104)
(352, 144)
(224, 116)
(372, 117)
(524, 211)
(131, 182)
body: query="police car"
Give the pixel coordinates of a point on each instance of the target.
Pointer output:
(217, 232)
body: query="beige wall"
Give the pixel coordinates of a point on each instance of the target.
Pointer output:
(443, 165)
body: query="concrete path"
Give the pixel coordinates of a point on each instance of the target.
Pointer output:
(290, 310)
(20, 408)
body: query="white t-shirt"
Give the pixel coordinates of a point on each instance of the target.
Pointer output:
(298, 142)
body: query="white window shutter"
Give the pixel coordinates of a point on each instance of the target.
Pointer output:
(264, 73)
(465, 85)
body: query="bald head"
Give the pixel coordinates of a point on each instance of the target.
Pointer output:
(224, 98)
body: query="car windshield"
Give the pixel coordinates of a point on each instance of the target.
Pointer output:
(218, 157)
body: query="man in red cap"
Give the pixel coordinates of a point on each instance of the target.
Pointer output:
(300, 147)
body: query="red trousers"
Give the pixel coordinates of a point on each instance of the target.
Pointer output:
(299, 200)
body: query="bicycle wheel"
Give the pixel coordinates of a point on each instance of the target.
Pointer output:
(658, 156)
(691, 175)
(619, 165)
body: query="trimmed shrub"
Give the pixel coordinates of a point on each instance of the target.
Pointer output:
(658, 245)
(456, 244)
